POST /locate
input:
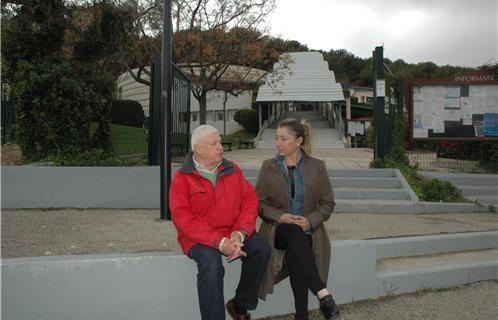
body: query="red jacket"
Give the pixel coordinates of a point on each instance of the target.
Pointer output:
(203, 213)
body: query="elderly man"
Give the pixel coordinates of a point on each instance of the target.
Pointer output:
(214, 209)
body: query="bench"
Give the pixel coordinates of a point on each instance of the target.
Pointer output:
(227, 146)
(179, 149)
(247, 143)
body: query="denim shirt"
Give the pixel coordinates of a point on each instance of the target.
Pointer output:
(296, 204)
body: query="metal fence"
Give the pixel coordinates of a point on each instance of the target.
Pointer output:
(180, 114)
(455, 156)
(180, 117)
(8, 116)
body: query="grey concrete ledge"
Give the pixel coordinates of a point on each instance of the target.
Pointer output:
(80, 187)
(448, 207)
(153, 286)
(138, 187)
(406, 186)
(397, 282)
(454, 242)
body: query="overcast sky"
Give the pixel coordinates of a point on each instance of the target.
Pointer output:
(455, 32)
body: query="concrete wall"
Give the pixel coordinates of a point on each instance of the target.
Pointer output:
(153, 286)
(138, 187)
(80, 187)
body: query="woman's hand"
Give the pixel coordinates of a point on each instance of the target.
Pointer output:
(302, 222)
(287, 218)
(295, 219)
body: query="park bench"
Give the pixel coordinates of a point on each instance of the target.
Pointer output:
(246, 143)
(227, 146)
(179, 149)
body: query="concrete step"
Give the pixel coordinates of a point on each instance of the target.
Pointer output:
(322, 138)
(448, 207)
(401, 275)
(379, 191)
(366, 182)
(477, 182)
(373, 206)
(332, 144)
(308, 115)
(362, 173)
(370, 193)
(322, 124)
(478, 191)
(435, 244)
(465, 179)
(436, 260)
(485, 200)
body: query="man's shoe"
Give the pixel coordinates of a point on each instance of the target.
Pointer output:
(328, 308)
(230, 306)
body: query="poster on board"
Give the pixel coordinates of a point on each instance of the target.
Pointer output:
(453, 111)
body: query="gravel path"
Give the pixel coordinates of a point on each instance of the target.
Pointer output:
(476, 301)
(28, 233)
(72, 231)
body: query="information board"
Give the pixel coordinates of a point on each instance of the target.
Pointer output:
(453, 110)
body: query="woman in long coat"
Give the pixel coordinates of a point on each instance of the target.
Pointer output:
(295, 199)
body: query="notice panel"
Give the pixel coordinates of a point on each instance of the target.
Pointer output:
(452, 111)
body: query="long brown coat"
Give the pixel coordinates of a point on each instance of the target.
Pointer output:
(272, 191)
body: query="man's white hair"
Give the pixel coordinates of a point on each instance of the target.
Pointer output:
(200, 133)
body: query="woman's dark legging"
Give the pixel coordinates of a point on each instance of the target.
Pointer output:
(300, 261)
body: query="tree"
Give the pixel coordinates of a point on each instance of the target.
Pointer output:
(99, 34)
(27, 28)
(218, 60)
(56, 95)
(346, 66)
(210, 35)
(213, 35)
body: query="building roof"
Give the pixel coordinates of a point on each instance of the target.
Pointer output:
(300, 76)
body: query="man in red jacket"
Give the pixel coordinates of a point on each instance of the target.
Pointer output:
(214, 209)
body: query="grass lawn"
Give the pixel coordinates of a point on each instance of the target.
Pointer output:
(128, 140)
(234, 137)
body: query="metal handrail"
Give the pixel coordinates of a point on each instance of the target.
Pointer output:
(339, 124)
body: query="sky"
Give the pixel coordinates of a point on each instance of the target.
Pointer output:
(454, 32)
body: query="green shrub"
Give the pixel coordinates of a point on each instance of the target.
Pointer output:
(439, 190)
(426, 189)
(489, 154)
(248, 119)
(127, 113)
(56, 100)
(92, 158)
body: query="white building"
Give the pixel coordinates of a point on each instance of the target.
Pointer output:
(129, 89)
(299, 81)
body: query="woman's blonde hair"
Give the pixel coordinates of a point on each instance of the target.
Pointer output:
(299, 129)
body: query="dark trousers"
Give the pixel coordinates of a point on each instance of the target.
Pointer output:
(300, 262)
(211, 271)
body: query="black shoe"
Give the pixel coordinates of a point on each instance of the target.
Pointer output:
(328, 308)
(230, 307)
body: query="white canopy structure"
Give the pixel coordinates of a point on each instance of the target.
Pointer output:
(300, 81)
(301, 76)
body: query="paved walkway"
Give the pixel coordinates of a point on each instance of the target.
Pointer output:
(335, 158)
